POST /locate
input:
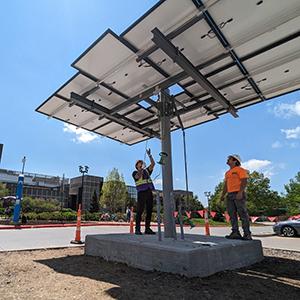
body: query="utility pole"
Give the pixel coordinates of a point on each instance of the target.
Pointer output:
(208, 196)
(83, 170)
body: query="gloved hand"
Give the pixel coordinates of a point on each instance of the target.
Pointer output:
(148, 151)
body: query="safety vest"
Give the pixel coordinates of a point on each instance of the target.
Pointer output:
(144, 184)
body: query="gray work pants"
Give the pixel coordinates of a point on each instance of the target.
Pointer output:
(238, 206)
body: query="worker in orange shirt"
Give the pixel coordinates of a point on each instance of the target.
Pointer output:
(234, 186)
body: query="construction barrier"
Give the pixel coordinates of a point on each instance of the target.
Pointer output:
(78, 228)
(227, 217)
(201, 213)
(213, 214)
(253, 219)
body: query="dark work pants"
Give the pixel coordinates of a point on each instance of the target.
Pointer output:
(144, 198)
(238, 206)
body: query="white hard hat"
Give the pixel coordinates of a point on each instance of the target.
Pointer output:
(237, 157)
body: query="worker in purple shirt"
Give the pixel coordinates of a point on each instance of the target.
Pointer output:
(144, 186)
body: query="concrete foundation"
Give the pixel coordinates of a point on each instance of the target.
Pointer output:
(197, 255)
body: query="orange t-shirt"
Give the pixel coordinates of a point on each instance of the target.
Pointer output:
(233, 178)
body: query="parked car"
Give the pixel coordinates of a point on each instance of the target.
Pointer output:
(287, 228)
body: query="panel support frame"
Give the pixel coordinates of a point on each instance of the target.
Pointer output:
(176, 55)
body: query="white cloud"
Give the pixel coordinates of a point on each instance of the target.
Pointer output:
(256, 164)
(285, 110)
(263, 166)
(81, 135)
(293, 133)
(276, 144)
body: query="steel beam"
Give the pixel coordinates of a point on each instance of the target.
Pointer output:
(166, 46)
(164, 84)
(215, 28)
(103, 111)
(171, 36)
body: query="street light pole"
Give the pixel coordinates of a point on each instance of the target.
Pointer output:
(208, 196)
(83, 170)
(23, 164)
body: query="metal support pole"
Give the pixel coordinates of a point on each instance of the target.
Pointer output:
(81, 194)
(19, 197)
(82, 170)
(168, 199)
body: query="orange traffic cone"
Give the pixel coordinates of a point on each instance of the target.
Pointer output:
(131, 221)
(78, 228)
(206, 222)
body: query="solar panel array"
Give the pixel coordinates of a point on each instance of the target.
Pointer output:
(221, 55)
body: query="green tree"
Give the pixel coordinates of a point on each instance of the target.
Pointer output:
(190, 203)
(114, 192)
(261, 199)
(215, 203)
(95, 207)
(40, 205)
(292, 198)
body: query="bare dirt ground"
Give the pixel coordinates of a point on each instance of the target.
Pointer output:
(68, 274)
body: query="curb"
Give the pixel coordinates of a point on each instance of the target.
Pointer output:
(264, 234)
(59, 225)
(8, 227)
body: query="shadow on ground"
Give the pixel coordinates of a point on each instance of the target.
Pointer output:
(276, 278)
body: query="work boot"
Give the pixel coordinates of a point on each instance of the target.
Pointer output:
(247, 237)
(138, 232)
(234, 236)
(149, 231)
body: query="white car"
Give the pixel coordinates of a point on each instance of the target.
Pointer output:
(287, 228)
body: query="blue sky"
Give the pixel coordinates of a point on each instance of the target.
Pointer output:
(39, 41)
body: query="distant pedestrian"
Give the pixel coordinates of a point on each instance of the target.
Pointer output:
(128, 214)
(234, 186)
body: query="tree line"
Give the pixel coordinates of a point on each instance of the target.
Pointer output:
(261, 199)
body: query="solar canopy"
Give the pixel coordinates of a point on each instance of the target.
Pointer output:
(219, 55)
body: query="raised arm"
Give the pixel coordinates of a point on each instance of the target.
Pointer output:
(152, 162)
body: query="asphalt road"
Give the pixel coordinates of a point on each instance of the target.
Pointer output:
(42, 238)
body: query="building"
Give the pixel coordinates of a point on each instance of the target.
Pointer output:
(37, 185)
(132, 193)
(91, 184)
(67, 191)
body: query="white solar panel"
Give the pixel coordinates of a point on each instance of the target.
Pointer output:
(248, 50)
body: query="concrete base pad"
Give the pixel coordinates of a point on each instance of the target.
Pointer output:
(197, 255)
